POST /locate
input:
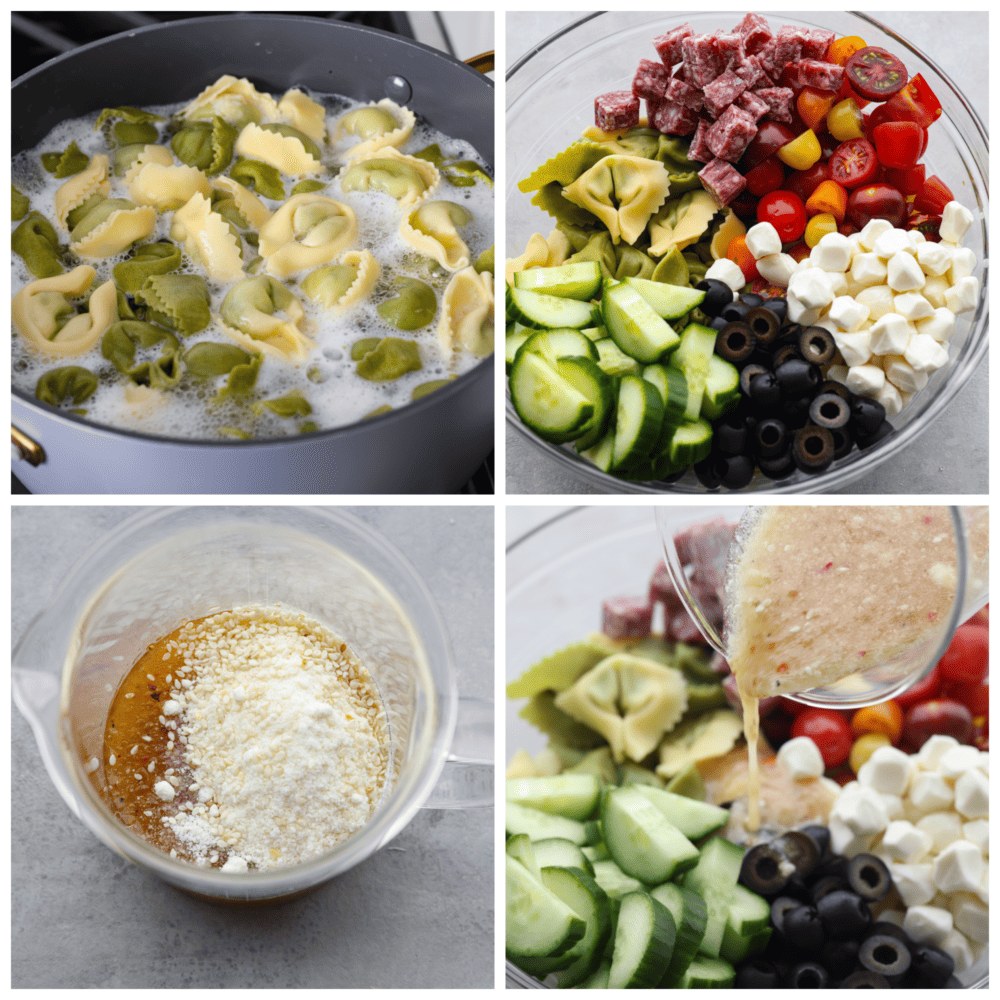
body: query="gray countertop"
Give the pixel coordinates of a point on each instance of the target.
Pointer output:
(419, 913)
(952, 456)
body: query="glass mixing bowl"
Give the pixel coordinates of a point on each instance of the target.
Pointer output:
(557, 576)
(599, 53)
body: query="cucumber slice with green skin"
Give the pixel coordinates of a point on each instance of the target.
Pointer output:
(708, 974)
(668, 301)
(690, 443)
(749, 913)
(693, 357)
(722, 388)
(613, 359)
(602, 452)
(598, 979)
(690, 916)
(644, 942)
(594, 332)
(580, 280)
(520, 847)
(554, 852)
(596, 852)
(590, 903)
(545, 401)
(547, 312)
(634, 325)
(638, 421)
(613, 880)
(643, 842)
(540, 826)
(673, 392)
(539, 923)
(571, 795)
(596, 386)
(735, 948)
(511, 344)
(694, 819)
(555, 344)
(714, 878)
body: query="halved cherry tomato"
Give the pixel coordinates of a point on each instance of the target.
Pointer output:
(929, 225)
(841, 49)
(864, 747)
(785, 212)
(933, 196)
(830, 198)
(828, 730)
(975, 697)
(846, 90)
(878, 116)
(908, 181)
(916, 102)
(853, 163)
(967, 658)
(818, 226)
(766, 290)
(813, 106)
(770, 137)
(744, 205)
(876, 201)
(875, 73)
(804, 182)
(766, 176)
(739, 253)
(898, 144)
(924, 689)
(886, 719)
(938, 716)
(802, 152)
(844, 121)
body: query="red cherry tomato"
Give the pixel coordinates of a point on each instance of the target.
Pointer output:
(804, 182)
(770, 137)
(785, 212)
(739, 254)
(975, 697)
(929, 225)
(938, 717)
(926, 688)
(876, 201)
(853, 163)
(933, 196)
(765, 177)
(908, 181)
(875, 73)
(981, 617)
(916, 102)
(898, 144)
(878, 116)
(829, 730)
(967, 658)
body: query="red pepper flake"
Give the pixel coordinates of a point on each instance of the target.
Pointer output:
(863, 652)
(829, 565)
(782, 668)
(928, 520)
(931, 615)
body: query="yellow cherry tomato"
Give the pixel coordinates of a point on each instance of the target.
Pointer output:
(886, 719)
(817, 227)
(843, 121)
(841, 49)
(864, 747)
(801, 153)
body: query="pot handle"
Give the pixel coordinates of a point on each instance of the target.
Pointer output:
(467, 778)
(25, 448)
(483, 62)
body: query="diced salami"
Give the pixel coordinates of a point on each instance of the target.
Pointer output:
(722, 180)
(821, 75)
(730, 46)
(616, 110)
(702, 59)
(788, 47)
(816, 43)
(753, 73)
(699, 146)
(779, 100)
(651, 79)
(668, 46)
(706, 545)
(627, 618)
(662, 591)
(674, 119)
(766, 57)
(684, 94)
(731, 134)
(681, 628)
(755, 32)
(752, 105)
(722, 92)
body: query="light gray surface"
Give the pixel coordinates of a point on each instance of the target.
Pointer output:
(419, 913)
(952, 456)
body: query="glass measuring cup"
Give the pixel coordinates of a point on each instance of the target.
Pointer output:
(879, 682)
(167, 565)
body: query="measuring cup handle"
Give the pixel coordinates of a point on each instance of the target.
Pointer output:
(467, 778)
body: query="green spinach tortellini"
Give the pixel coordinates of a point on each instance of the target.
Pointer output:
(209, 359)
(259, 177)
(251, 311)
(391, 358)
(147, 259)
(19, 205)
(119, 346)
(36, 242)
(71, 384)
(339, 286)
(70, 161)
(414, 307)
(292, 404)
(205, 145)
(178, 301)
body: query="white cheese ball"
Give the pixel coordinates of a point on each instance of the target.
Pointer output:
(763, 240)
(955, 222)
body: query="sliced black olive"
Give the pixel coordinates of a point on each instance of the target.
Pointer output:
(759, 357)
(865, 441)
(930, 968)
(807, 976)
(821, 837)
(751, 299)
(772, 437)
(803, 927)
(748, 373)
(765, 391)
(734, 311)
(765, 324)
(867, 415)
(730, 435)
(785, 353)
(869, 877)
(883, 927)
(779, 467)
(735, 342)
(885, 955)
(797, 377)
(840, 957)
(801, 850)
(756, 974)
(812, 449)
(717, 295)
(718, 323)
(843, 442)
(830, 411)
(864, 979)
(778, 306)
(838, 387)
(737, 471)
(825, 885)
(789, 335)
(844, 914)
(708, 472)
(795, 412)
(761, 871)
(817, 345)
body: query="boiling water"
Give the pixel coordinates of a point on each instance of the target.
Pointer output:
(327, 379)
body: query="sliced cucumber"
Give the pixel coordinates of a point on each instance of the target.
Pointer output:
(668, 301)
(714, 879)
(547, 312)
(693, 357)
(690, 916)
(613, 880)
(594, 332)
(545, 401)
(673, 391)
(694, 819)
(596, 852)
(643, 842)
(539, 923)
(613, 359)
(540, 826)
(708, 974)
(690, 443)
(598, 388)
(571, 795)
(639, 417)
(735, 948)
(590, 903)
(644, 942)
(722, 388)
(580, 280)
(635, 326)
(749, 913)
(519, 846)
(554, 852)
(555, 344)
(598, 979)
(512, 342)
(601, 453)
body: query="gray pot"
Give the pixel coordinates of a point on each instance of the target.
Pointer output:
(431, 446)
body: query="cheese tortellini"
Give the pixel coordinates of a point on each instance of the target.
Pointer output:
(307, 231)
(338, 286)
(408, 179)
(249, 313)
(208, 238)
(432, 229)
(467, 313)
(380, 124)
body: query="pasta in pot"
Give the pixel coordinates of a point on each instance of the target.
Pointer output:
(307, 231)
(287, 153)
(467, 313)
(408, 179)
(339, 286)
(432, 229)
(93, 180)
(383, 123)
(208, 239)
(249, 310)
